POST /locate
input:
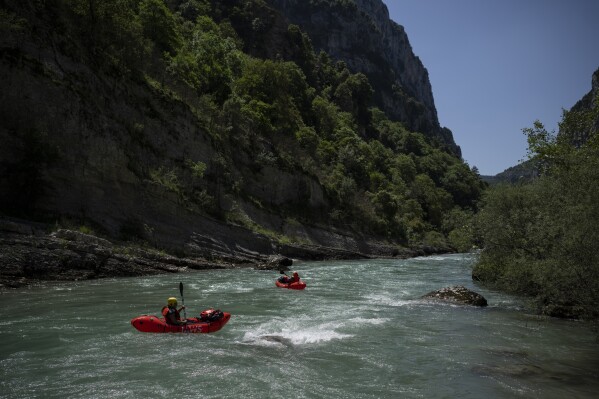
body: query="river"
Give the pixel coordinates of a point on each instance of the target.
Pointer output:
(359, 330)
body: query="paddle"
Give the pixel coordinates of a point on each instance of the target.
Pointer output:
(182, 300)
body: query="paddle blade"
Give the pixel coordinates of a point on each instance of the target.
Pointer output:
(181, 288)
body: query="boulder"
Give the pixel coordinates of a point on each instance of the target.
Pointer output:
(457, 294)
(276, 262)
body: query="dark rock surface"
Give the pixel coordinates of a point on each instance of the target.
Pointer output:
(104, 162)
(84, 145)
(30, 253)
(457, 294)
(275, 263)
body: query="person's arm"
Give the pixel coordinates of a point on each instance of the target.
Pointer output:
(181, 321)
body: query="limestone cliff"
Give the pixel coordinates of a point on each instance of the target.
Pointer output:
(361, 34)
(586, 103)
(79, 144)
(94, 138)
(95, 149)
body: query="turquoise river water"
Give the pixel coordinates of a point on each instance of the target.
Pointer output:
(359, 330)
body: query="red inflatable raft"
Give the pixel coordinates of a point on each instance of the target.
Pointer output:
(153, 324)
(300, 285)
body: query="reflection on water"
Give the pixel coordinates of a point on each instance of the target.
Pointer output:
(359, 330)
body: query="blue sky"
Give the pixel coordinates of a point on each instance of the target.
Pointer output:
(496, 66)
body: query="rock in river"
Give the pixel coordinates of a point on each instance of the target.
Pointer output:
(457, 294)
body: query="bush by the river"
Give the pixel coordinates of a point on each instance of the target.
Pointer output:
(541, 238)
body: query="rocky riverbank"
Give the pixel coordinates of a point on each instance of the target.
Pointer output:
(29, 254)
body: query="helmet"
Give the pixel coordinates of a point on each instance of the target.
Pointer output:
(295, 274)
(172, 301)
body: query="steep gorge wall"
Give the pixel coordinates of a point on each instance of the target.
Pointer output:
(81, 144)
(363, 36)
(586, 103)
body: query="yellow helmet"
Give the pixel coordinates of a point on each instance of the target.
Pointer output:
(172, 301)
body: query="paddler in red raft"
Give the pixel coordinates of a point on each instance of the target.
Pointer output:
(285, 279)
(171, 314)
(294, 279)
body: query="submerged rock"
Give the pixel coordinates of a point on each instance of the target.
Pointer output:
(278, 339)
(457, 294)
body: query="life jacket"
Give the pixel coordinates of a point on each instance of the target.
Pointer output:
(294, 279)
(166, 312)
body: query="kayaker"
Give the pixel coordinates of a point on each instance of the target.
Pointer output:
(171, 313)
(284, 278)
(294, 279)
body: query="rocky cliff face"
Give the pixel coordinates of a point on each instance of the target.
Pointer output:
(123, 154)
(95, 155)
(361, 34)
(79, 145)
(586, 103)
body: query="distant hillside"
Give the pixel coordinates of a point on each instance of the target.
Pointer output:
(527, 170)
(580, 136)
(522, 173)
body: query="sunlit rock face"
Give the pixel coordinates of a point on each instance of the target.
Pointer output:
(362, 35)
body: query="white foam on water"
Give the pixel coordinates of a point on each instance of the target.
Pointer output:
(222, 288)
(312, 336)
(262, 341)
(379, 299)
(307, 330)
(62, 288)
(146, 283)
(295, 332)
(375, 322)
(431, 258)
(31, 320)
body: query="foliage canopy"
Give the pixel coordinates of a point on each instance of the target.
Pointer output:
(541, 238)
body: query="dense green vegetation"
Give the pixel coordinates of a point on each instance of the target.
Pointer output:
(525, 171)
(266, 99)
(541, 237)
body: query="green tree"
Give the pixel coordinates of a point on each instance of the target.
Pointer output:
(159, 25)
(354, 95)
(540, 238)
(279, 85)
(110, 30)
